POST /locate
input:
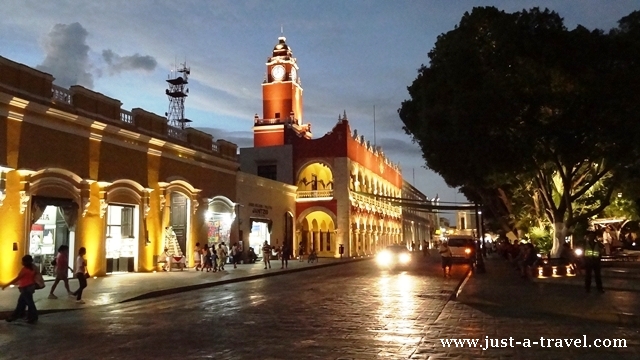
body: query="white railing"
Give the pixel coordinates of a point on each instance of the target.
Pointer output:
(376, 203)
(126, 117)
(268, 121)
(176, 133)
(60, 94)
(311, 194)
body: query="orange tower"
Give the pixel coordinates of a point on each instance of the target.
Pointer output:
(281, 99)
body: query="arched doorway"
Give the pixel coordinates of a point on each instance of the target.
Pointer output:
(317, 232)
(179, 219)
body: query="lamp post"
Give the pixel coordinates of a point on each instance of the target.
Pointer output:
(480, 248)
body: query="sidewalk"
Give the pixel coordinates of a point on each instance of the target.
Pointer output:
(502, 291)
(119, 288)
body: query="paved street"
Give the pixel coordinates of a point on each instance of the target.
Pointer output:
(351, 311)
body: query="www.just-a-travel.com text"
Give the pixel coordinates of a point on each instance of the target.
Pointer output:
(488, 343)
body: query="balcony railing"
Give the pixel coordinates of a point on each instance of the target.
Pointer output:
(126, 117)
(176, 133)
(314, 194)
(268, 121)
(371, 201)
(61, 94)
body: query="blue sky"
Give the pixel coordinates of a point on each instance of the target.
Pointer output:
(353, 55)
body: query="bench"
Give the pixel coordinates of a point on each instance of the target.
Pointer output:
(173, 264)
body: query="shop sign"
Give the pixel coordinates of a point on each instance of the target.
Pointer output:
(259, 209)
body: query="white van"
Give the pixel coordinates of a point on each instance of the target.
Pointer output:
(462, 246)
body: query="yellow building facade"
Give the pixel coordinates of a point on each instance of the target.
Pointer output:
(77, 170)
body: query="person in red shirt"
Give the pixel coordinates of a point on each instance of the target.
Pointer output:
(26, 281)
(61, 268)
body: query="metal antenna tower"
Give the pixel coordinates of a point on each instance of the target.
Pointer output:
(177, 94)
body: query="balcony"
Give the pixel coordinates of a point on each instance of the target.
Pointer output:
(372, 204)
(315, 195)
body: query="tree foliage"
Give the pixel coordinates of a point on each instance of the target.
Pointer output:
(531, 117)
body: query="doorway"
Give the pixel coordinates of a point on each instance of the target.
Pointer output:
(53, 223)
(179, 219)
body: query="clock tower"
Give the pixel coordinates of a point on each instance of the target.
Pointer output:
(281, 99)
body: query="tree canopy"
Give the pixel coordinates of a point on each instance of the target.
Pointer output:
(529, 116)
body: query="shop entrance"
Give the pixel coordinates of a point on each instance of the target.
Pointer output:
(53, 222)
(260, 232)
(288, 231)
(179, 219)
(122, 238)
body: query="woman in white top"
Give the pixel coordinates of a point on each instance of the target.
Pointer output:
(81, 274)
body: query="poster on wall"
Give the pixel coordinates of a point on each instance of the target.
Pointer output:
(48, 242)
(42, 240)
(35, 239)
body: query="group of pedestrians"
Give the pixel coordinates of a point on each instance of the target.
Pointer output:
(283, 253)
(29, 279)
(213, 258)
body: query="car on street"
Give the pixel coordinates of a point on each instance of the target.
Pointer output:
(462, 247)
(394, 256)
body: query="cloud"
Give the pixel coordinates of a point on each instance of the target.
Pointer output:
(117, 64)
(241, 138)
(67, 55)
(67, 58)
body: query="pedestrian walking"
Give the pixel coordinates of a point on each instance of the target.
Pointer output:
(445, 253)
(235, 254)
(197, 257)
(285, 253)
(266, 254)
(61, 264)
(222, 256)
(207, 258)
(425, 248)
(82, 274)
(26, 281)
(592, 256)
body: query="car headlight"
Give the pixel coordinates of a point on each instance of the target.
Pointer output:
(404, 258)
(384, 258)
(467, 251)
(578, 252)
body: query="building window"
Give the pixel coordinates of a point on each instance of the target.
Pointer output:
(120, 221)
(268, 171)
(277, 115)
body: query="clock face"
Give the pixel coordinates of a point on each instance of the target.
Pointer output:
(294, 75)
(277, 72)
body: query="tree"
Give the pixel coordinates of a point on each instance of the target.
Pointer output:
(517, 101)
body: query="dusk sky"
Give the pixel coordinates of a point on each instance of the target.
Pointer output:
(353, 55)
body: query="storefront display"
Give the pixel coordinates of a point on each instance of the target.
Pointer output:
(219, 228)
(122, 241)
(259, 234)
(42, 240)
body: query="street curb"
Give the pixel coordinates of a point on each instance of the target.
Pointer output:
(159, 293)
(619, 319)
(177, 290)
(461, 283)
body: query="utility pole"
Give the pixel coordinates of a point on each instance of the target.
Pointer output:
(480, 268)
